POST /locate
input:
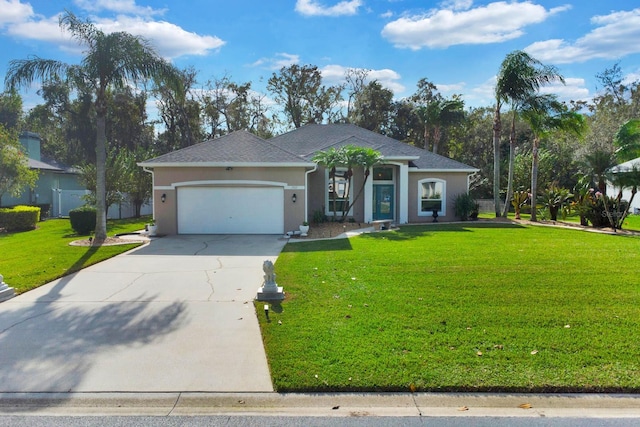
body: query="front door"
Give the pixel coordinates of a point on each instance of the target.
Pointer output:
(383, 201)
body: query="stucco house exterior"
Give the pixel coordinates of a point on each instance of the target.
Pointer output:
(58, 186)
(242, 184)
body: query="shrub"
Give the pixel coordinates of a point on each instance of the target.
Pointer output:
(555, 198)
(83, 219)
(19, 218)
(464, 206)
(319, 217)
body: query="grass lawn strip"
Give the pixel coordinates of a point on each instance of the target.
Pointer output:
(32, 258)
(468, 307)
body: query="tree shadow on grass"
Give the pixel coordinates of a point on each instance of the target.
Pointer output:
(410, 232)
(328, 245)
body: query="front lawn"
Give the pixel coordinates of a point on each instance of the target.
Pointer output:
(30, 259)
(471, 307)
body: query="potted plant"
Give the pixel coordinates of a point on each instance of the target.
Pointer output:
(153, 228)
(304, 228)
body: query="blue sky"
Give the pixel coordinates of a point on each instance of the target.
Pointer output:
(456, 44)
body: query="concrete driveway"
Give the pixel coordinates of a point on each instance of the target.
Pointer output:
(173, 315)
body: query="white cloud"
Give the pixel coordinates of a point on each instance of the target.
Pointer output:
(118, 6)
(314, 8)
(334, 74)
(170, 40)
(493, 23)
(12, 11)
(616, 36)
(280, 60)
(574, 89)
(451, 88)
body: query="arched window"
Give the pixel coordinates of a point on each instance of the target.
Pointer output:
(432, 197)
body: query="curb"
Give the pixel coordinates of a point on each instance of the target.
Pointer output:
(324, 404)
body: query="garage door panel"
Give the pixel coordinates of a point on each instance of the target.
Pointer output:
(230, 210)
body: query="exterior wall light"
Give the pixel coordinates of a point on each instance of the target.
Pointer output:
(164, 197)
(294, 198)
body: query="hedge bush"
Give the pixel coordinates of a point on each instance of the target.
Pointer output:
(19, 218)
(83, 219)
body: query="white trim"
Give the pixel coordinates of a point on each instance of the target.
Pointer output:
(416, 170)
(403, 189)
(327, 181)
(229, 182)
(225, 164)
(153, 179)
(306, 192)
(368, 200)
(443, 198)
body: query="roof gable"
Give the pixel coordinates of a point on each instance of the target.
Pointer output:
(309, 139)
(240, 147)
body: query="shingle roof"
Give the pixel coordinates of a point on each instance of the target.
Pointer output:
(298, 147)
(239, 147)
(309, 139)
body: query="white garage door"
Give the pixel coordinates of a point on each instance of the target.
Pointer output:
(230, 210)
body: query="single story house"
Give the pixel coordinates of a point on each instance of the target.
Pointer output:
(243, 184)
(629, 166)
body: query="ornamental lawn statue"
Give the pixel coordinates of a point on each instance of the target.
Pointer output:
(269, 291)
(5, 291)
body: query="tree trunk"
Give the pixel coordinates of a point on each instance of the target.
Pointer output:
(497, 127)
(512, 161)
(534, 178)
(101, 179)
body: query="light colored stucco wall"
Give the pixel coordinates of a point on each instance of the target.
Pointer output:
(167, 180)
(456, 183)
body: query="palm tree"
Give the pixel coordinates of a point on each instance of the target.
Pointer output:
(438, 114)
(330, 159)
(546, 114)
(365, 158)
(519, 78)
(111, 61)
(348, 156)
(599, 162)
(628, 140)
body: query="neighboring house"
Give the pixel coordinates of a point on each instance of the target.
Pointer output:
(626, 192)
(58, 186)
(242, 184)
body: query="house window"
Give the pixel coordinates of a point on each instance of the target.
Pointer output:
(337, 197)
(383, 173)
(431, 194)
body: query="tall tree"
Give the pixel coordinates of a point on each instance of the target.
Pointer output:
(303, 97)
(355, 79)
(15, 174)
(179, 111)
(10, 110)
(372, 107)
(627, 140)
(111, 60)
(519, 78)
(545, 114)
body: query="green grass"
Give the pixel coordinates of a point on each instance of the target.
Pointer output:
(474, 307)
(32, 258)
(631, 222)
